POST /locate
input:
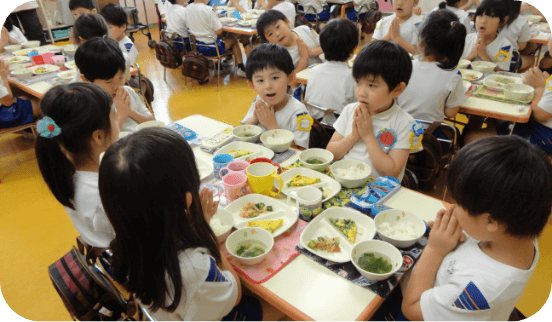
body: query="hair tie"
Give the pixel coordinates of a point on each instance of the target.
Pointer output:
(452, 23)
(47, 128)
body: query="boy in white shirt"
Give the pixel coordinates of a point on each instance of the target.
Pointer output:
(116, 19)
(375, 130)
(78, 8)
(331, 85)
(313, 8)
(401, 27)
(269, 72)
(176, 23)
(518, 32)
(481, 276)
(287, 8)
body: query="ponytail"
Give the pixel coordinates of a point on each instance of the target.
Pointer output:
(454, 43)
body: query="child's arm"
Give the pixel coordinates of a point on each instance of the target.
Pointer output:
(316, 51)
(138, 109)
(4, 39)
(340, 145)
(7, 100)
(537, 79)
(262, 4)
(303, 55)
(395, 35)
(237, 5)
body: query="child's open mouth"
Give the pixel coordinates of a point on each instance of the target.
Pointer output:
(271, 95)
(282, 39)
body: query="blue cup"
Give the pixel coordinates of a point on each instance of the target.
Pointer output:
(220, 161)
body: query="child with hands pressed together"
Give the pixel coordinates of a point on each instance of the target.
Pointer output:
(480, 275)
(401, 26)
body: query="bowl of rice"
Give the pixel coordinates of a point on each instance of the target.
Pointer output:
(316, 159)
(351, 173)
(399, 228)
(463, 64)
(483, 66)
(221, 223)
(277, 140)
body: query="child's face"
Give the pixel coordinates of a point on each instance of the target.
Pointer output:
(403, 8)
(80, 11)
(374, 92)
(486, 25)
(113, 84)
(116, 32)
(473, 226)
(271, 85)
(279, 33)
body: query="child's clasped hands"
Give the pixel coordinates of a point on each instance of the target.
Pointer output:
(445, 233)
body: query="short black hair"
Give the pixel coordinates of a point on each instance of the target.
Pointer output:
(338, 39)
(90, 25)
(386, 59)
(100, 58)
(495, 9)
(267, 19)
(268, 55)
(114, 14)
(87, 4)
(507, 177)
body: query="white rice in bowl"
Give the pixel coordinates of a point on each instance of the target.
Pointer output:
(273, 140)
(400, 231)
(218, 227)
(352, 172)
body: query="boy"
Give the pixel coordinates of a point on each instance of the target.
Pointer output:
(314, 8)
(78, 8)
(176, 23)
(202, 21)
(269, 71)
(503, 190)
(401, 27)
(375, 130)
(287, 8)
(331, 85)
(105, 53)
(116, 19)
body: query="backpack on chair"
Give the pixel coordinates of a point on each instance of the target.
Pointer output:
(426, 164)
(166, 52)
(318, 136)
(196, 66)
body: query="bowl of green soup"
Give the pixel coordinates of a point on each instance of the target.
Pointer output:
(316, 159)
(250, 245)
(376, 260)
(247, 133)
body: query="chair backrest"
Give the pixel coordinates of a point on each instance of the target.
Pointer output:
(323, 109)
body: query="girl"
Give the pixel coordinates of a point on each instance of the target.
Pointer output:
(454, 6)
(435, 89)
(11, 35)
(164, 248)
(78, 124)
(487, 44)
(517, 31)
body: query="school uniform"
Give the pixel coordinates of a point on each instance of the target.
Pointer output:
(17, 34)
(176, 23)
(161, 6)
(286, 118)
(309, 5)
(245, 4)
(202, 22)
(18, 113)
(500, 50)
(331, 85)
(518, 31)
(136, 104)
(462, 15)
(394, 119)
(310, 37)
(358, 9)
(127, 47)
(288, 10)
(409, 29)
(430, 91)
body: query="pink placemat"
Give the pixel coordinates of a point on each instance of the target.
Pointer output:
(282, 253)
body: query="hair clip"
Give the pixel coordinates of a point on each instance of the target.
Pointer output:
(47, 128)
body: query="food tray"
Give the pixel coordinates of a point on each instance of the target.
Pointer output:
(320, 226)
(257, 151)
(48, 69)
(71, 65)
(498, 95)
(326, 182)
(497, 81)
(280, 211)
(16, 60)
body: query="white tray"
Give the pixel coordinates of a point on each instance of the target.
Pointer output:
(325, 181)
(320, 226)
(258, 151)
(280, 211)
(490, 81)
(468, 72)
(205, 168)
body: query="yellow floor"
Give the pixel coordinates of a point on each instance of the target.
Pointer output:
(35, 230)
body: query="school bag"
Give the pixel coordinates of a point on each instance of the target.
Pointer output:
(196, 66)
(318, 136)
(166, 52)
(426, 164)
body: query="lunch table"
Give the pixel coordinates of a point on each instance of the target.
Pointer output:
(540, 33)
(304, 289)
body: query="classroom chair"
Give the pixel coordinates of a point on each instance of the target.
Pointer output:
(217, 58)
(323, 109)
(308, 9)
(144, 87)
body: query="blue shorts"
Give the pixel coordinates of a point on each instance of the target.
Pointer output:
(515, 63)
(180, 44)
(322, 16)
(352, 15)
(537, 133)
(249, 309)
(211, 51)
(391, 310)
(20, 113)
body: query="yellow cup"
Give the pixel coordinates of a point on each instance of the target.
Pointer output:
(261, 178)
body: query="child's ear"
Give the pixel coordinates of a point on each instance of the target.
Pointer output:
(98, 137)
(291, 78)
(189, 199)
(250, 84)
(84, 79)
(94, 10)
(492, 225)
(399, 89)
(287, 22)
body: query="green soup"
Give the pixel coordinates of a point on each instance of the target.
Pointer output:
(375, 263)
(250, 248)
(246, 135)
(316, 161)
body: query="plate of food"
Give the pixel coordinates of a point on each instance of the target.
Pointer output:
(244, 150)
(44, 69)
(255, 210)
(498, 81)
(333, 233)
(470, 75)
(300, 177)
(16, 60)
(71, 65)
(205, 168)
(26, 52)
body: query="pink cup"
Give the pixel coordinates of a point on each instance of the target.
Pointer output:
(234, 166)
(47, 57)
(235, 185)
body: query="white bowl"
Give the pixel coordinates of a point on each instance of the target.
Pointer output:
(483, 66)
(31, 44)
(254, 130)
(395, 216)
(70, 49)
(150, 124)
(22, 74)
(316, 153)
(123, 134)
(533, 18)
(287, 137)
(463, 64)
(351, 183)
(17, 66)
(68, 75)
(249, 233)
(226, 219)
(12, 48)
(518, 91)
(379, 248)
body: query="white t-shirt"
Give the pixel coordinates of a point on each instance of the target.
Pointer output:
(472, 286)
(331, 85)
(517, 32)
(202, 21)
(359, 5)
(500, 50)
(89, 217)
(394, 119)
(409, 28)
(310, 37)
(209, 294)
(136, 104)
(316, 4)
(286, 119)
(161, 5)
(288, 10)
(431, 90)
(16, 34)
(3, 90)
(176, 21)
(546, 101)
(245, 4)
(127, 47)
(462, 15)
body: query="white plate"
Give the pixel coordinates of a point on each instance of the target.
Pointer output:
(280, 211)
(16, 60)
(49, 69)
(71, 65)
(468, 72)
(490, 81)
(326, 182)
(258, 150)
(320, 226)
(25, 52)
(205, 168)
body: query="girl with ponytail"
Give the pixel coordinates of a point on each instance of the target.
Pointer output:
(78, 124)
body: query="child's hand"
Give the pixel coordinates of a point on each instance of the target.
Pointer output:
(5, 37)
(481, 48)
(207, 204)
(445, 232)
(4, 69)
(303, 48)
(363, 121)
(395, 30)
(265, 114)
(122, 102)
(534, 77)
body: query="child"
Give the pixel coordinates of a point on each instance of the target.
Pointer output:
(269, 71)
(78, 125)
(469, 4)
(116, 19)
(100, 61)
(176, 23)
(241, 5)
(11, 35)
(454, 6)
(503, 192)
(78, 8)
(517, 31)
(331, 85)
(314, 8)
(375, 130)
(88, 26)
(436, 73)
(358, 10)
(486, 44)
(401, 26)
(287, 8)
(202, 21)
